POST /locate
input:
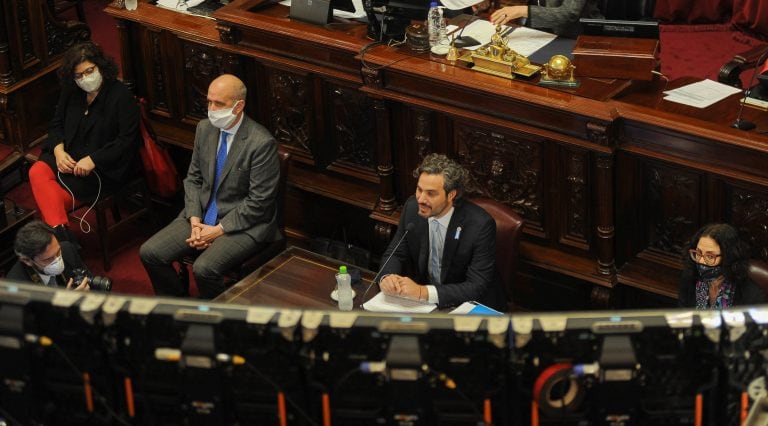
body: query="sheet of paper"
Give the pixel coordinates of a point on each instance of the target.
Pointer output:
(700, 94)
(179, 4)
(358, 13)
(386, 303)
(481, 30)
(526, 41)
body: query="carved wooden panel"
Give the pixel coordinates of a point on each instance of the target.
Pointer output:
(672, 205)
(26, 53)
(291, 110)
(574, 211)
(749, 213)
(201, 65)
(351, 118)
(505, 167)
(158, 77)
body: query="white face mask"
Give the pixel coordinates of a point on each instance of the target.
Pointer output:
(222, 118)
(56, 267)
(90, 83)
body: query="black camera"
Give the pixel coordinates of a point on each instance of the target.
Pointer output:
(95, 283)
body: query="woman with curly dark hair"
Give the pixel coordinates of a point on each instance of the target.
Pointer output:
(715, 266)
(93, 139)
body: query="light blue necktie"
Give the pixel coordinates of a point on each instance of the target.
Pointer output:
(211, 214)
(435, 251)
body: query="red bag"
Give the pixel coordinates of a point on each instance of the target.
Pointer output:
(162, 178)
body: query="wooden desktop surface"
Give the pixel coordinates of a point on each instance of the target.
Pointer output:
(296, 278)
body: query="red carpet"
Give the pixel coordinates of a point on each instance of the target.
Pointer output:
(700, 50)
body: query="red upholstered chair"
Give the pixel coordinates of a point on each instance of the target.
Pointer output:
(758, 272)
(509, 229)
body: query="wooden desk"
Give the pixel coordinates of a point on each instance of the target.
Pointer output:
(295, 279)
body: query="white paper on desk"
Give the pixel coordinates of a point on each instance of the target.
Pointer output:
(525, 41)
(358, 13)
(386, 303)
(701, 94)
(178, 4)
(480, 30)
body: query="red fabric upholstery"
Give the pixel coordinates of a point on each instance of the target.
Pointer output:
(751, 16)
(509, 229)
(693, 11)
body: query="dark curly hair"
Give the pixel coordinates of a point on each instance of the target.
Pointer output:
(87, 51)
(454, 175)
(734, 251)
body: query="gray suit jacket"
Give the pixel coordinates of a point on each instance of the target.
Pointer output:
(562, 16)
(248, 185)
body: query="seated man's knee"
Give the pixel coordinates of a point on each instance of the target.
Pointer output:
(206, 270)
(149, 254)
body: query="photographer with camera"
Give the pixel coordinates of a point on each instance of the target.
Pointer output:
(45, 261)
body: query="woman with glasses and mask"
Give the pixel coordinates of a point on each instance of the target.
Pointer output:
(93, 139)
(715, 266)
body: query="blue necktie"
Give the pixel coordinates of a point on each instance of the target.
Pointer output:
(435, 252)
(212, 212)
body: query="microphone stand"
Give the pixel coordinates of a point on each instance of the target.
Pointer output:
(408, 229)
(466, 41)
(740, 123)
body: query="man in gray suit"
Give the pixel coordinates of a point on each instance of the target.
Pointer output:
(229, 197)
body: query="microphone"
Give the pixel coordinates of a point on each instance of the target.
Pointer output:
(466, 41)
(408, 228)
(740, 123)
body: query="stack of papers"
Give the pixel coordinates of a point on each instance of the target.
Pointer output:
(701, 94)
(387, 303)
(522, 40)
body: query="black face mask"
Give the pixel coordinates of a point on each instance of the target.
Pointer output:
(709, 273)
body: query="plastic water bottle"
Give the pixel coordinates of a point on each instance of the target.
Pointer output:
(435, 24)
(344, 285)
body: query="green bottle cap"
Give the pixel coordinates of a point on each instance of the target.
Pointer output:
(342, 269)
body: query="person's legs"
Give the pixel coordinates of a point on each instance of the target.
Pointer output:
(160, 251)
(52, 200)
(226, 253)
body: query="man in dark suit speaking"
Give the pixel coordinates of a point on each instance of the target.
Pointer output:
(229, 197)
(448, 255)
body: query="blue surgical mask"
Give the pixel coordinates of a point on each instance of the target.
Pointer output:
(709, 273)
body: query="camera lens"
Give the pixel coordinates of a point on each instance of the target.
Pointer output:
(101, 284)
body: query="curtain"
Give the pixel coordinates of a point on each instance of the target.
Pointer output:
(751, 16)
(696, 11)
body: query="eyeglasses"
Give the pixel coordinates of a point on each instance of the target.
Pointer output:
(88, 71)
(708, 259)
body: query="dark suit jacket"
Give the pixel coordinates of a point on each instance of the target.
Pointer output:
(562, 16)
(23, 273)
(247, 186)
(469, 255)
(109, 133)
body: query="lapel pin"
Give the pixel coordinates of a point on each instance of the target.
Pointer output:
(458, 233)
